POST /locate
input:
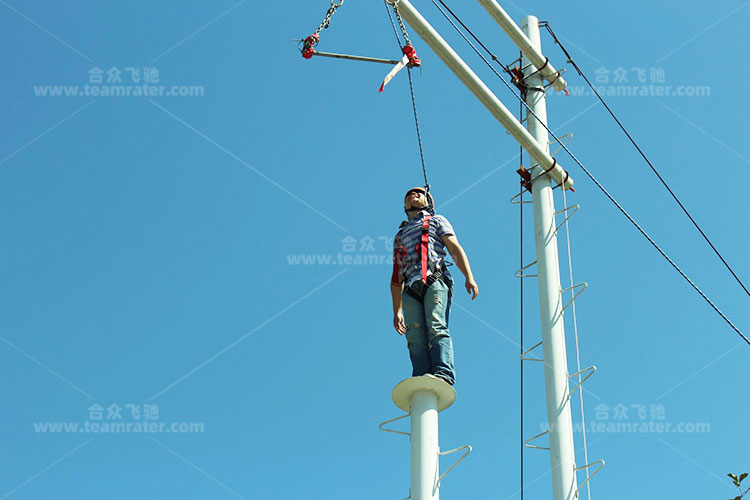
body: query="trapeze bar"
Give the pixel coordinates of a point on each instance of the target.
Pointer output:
(355, 58)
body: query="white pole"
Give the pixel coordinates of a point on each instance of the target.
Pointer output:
(532, 53)
(423, 397)
(538, 150)
(424, 446)
(562, 455)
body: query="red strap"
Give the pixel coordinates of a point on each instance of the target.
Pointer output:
(425, 246)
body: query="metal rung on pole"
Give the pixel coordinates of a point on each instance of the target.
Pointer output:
(564, 139)
(519, 273)
(601, 464)
(513, 200)
(527, 445)
(528, 351)
(465, 447)
(394, 430)
(573, 209)
(583, 286)
(591, 369)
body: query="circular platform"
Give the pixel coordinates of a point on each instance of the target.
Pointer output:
(402, 392)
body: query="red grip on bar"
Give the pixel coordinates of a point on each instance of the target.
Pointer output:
(411, 53)
(309, 48)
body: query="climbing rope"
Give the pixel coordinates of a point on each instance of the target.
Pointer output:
(407, 43)
(595, 181)
(307, 48)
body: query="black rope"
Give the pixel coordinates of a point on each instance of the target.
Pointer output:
(595, 181)
(419, 134)
(413, 104)
(395, 31)
(520, 114)
(643, 155)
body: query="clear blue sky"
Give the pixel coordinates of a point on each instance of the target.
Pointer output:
(148, 245)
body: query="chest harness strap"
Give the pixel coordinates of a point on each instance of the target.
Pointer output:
(423, 246)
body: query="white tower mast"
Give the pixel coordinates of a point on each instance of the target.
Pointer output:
(562, 455)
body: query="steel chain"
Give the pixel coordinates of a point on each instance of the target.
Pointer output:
(401, 23)
(329, 13)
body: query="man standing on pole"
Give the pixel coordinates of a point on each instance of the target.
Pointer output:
(422, 287)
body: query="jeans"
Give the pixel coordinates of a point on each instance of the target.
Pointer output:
(429, 341)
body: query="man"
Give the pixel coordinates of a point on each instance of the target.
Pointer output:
(422, 287)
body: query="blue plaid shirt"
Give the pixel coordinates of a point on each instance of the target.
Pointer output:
(409, 235)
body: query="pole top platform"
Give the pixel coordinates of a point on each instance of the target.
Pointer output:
(403, 392)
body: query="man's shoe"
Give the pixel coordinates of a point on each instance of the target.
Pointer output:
(441, 377)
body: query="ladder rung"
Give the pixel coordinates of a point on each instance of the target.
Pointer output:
(567, 136)
(394, 430)
(465, 447)
(513, 200)
(591, 369)
(573, 209)
(583, 286)
(601, 464)
(527, 445)
(523, 358)
(519, 273)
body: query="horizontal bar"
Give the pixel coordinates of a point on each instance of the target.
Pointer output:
(355, 58)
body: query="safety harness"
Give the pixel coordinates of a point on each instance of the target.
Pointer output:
(418, 288)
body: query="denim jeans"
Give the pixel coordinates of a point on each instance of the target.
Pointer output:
(429, 341)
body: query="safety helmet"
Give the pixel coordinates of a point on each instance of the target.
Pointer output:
(430, 200)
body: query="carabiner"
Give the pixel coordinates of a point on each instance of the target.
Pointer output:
(336, 5)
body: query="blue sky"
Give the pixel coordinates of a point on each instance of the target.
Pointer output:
(149, 246)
